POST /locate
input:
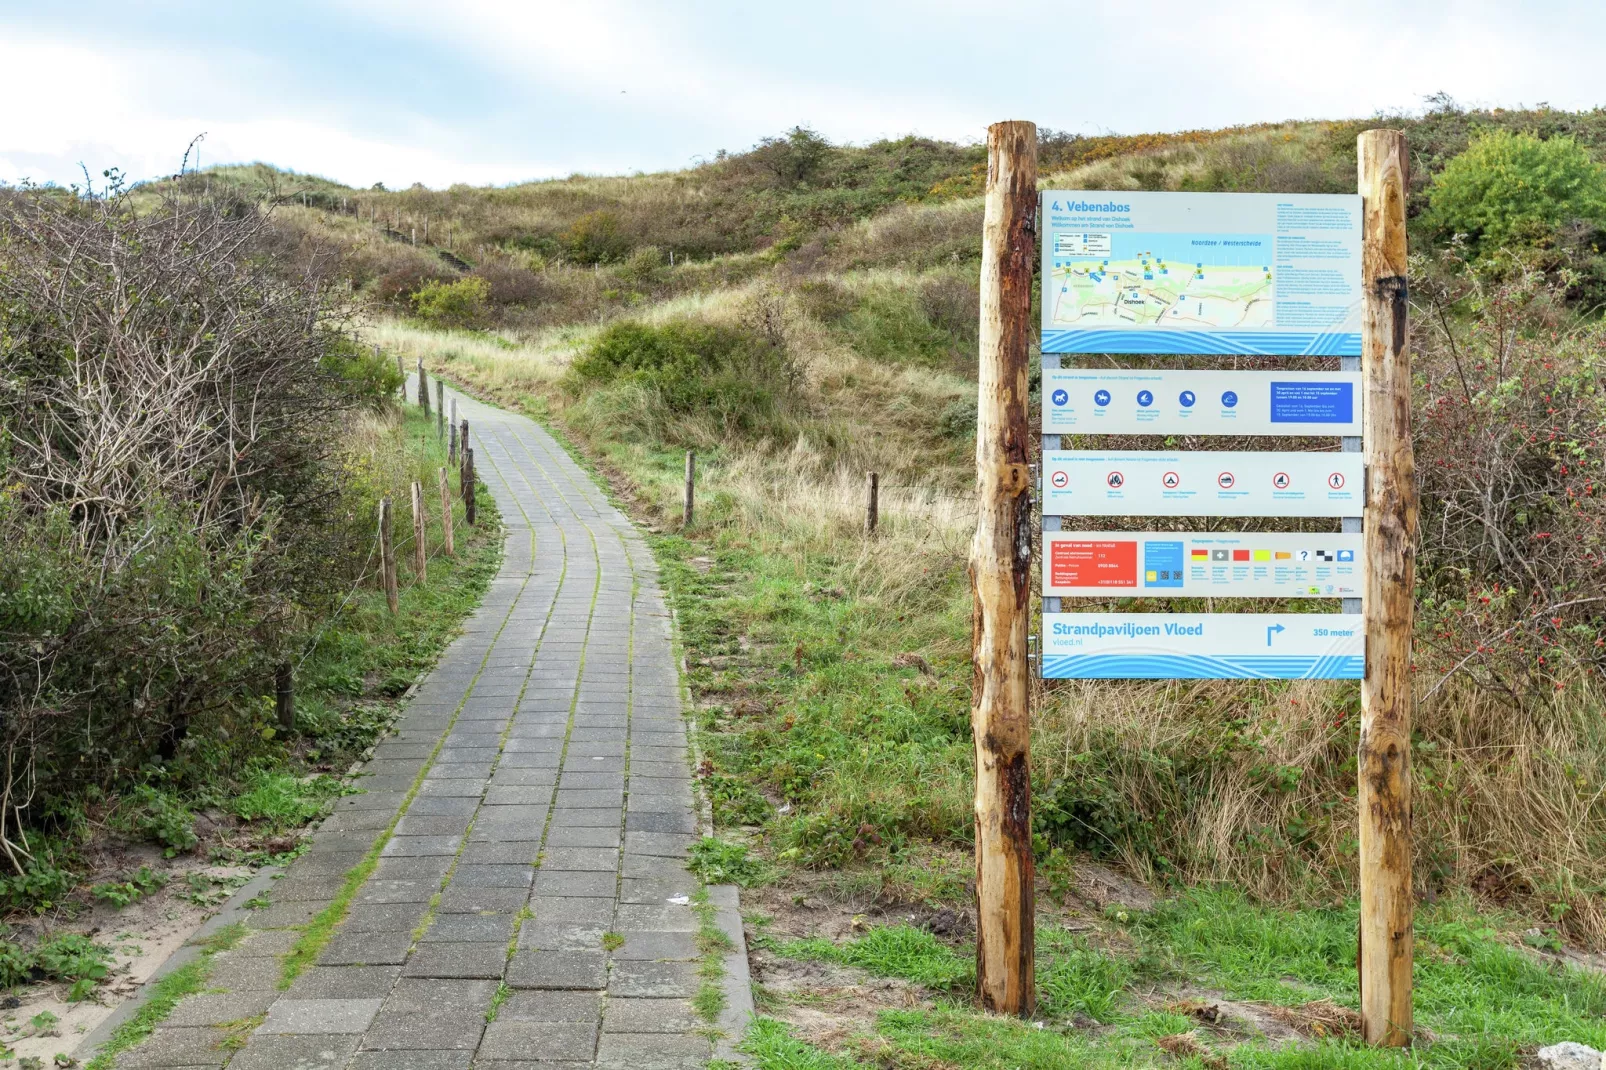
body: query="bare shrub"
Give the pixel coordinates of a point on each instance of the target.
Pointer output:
(170, 512)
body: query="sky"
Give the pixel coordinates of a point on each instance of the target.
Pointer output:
(495, 91)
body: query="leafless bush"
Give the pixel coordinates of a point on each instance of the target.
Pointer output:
(166, 405)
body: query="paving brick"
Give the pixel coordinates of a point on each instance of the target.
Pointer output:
(558, 969)
(431, 1014)
(653, 980)
(304, 1016)
(645, 1051)
(214, 1008)
(657, 945)
(345, 982)
(469, 929)
(572, 909)
(592, 859)
(471, 900)
(273, 1052)
(412, 1060)
(548, 1005)
(457, 960)
(628, 1015)
(543, 1041)
(592, 884)
(366, 949)
(176, 1046)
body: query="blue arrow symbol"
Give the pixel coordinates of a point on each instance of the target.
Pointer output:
(1272, 629)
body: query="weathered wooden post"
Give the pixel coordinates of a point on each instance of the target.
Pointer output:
(420, 547)
(451, 443)
(1000, 579)
(284, 696)
(688, 499)
(448, 541)
(470, 513)
(1384, 763)
(872, 507)
(423, 387)
(387, 557)
(440, 407)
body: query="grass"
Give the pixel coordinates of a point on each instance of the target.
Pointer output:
(1482, 1000)
(187, 980)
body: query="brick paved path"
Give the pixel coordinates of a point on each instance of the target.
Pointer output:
(555, 807)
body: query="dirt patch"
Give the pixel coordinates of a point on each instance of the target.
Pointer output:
(837, 909)
(1235, 1019)
(1321, 1019)
(36, 1020)
(1103, 887)
(828, 1005)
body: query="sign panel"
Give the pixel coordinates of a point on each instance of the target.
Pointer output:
(1115, 564)
(1203, 646)
(1164, 402)
(1134, 272)
(1201, 483)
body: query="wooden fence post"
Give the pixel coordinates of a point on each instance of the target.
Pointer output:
(470, 513)
(387, 557)
(423, 387)
(440, 407)
(284, 696)
(1000, 579)
(451, 443)
(420, 547)
(688, 500)
(872, 507)
(1384, 766)
(401, 370)
(447, 539)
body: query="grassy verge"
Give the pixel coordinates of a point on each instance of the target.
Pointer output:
(165, 995)
(1209, 979)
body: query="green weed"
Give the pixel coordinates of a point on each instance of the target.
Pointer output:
(141, 883)
(281, 800)
(720, 862)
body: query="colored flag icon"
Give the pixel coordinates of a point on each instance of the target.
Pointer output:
(1219, 555)
(1240, 555)
(1284, 555)
(1201, 555)
(1262, 555)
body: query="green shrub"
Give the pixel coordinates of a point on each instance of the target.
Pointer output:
(66, 956)
(41, 886)
(460, 303)
(686, 368)
(1510, 190)
(595, 238)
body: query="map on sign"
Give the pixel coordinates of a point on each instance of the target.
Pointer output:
(1134, 272)
(1124, 279)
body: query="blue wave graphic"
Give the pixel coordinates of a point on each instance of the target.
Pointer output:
(1204, 343)
(1203, 667)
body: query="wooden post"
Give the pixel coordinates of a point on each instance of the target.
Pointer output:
(420, 546)
(872, 508)
(423, 387)
(284, 696)
(426, 230)
(387, 556)
(448, 541)
(1384, 764)
(1000, 579)
(470, 512)
(688, 500)
(440, 407)
(401, 370)
(451, 443)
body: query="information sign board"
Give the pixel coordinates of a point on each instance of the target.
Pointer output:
(1114, 564)
(1166, 402)
(1201, 483)
(1135, 272)
(1203, 646)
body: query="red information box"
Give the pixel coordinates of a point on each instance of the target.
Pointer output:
(1093, 564)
